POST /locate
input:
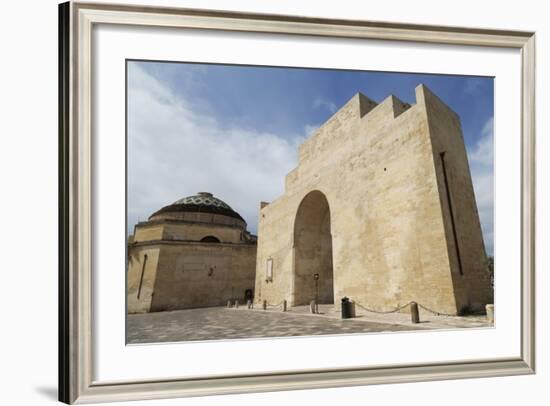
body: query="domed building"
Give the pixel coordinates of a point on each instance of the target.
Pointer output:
(195, 252)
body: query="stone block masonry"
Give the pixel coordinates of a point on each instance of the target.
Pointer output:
(381, 206)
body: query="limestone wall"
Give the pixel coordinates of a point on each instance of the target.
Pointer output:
(138, 265)
(186, 231)
(200, 275)
(471, 280)
(375, 166)
(197, 231)
(148, 232)
(187, 275)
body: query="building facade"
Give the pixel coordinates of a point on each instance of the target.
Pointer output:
(195, 252)
(380, 209)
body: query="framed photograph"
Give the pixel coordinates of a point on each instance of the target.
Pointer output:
(263, 202)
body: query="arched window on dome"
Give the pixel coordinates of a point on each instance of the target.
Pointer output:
(210, 238)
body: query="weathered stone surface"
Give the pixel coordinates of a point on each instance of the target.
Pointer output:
(216, 323)
(221, 323)
(171, 266)
(367, 208)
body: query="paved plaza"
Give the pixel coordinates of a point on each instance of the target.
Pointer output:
(218, 323)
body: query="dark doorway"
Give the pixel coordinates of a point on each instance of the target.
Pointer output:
(248, 295)
(313, 274)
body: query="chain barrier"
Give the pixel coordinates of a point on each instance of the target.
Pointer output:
(367, 309)
(402, 307)
(434, 312)
(277, 305)
(382, 311)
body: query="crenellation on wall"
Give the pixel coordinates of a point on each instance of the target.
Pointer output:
(425, 96)
(389, 237)
(380, 207)
(365, 104)
(341, 134)
(390, 108)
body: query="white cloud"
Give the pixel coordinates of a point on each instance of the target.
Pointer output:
(175, 151)
(323, 103)
(481, 162)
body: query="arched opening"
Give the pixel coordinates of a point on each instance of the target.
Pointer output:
(248, 295)
(313, 276)
(210, 238)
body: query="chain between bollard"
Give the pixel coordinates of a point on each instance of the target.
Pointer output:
(382, 311)
(436, 313)
(282, 305)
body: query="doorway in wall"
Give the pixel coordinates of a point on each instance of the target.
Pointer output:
(313, 273)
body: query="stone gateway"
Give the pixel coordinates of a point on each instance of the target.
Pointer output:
(380, 209)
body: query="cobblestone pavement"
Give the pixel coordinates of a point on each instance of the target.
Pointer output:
(217, 323)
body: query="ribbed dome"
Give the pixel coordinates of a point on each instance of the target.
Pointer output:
(202, 202)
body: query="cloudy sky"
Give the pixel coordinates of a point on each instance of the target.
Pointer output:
(234, 131)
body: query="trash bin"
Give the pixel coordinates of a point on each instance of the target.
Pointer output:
(347, 308)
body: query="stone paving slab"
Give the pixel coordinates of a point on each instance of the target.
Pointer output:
(218, 323)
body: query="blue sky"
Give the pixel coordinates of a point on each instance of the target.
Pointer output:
(255, 117)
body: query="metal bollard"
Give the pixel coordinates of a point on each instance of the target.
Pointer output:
(415, 317)
(249, 304)
(284, 305)
(236, 304)
(229, 304)
(264, 305)
(490, 311)
(313, 307)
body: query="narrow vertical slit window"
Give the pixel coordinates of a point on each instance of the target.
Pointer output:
(269, 270)
(451, 212)
(142, 273)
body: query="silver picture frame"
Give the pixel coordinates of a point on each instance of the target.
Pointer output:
(76, 21)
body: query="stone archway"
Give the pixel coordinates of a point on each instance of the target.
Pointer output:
(313, 251)
(211, 239)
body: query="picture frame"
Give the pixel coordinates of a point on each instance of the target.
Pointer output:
(76, 213)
